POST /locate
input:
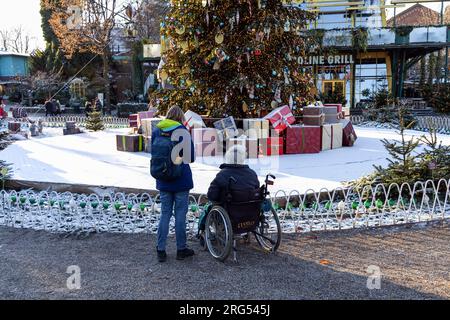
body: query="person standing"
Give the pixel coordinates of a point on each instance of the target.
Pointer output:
(88, 108)
(173, 179)
(48, 108)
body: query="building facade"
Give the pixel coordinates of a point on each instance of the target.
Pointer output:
(13, 65)
(363, 52)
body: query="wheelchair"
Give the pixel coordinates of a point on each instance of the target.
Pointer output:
(241, 213)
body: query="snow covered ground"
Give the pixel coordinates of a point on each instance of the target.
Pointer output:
(92, 159)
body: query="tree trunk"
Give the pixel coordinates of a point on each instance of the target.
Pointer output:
(107, 82)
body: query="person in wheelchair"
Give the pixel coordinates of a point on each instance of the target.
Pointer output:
(238, 206)
(235, 170)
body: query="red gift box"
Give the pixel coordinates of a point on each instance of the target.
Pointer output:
(281, 118)
(303, 139)
(133, 119)
(349, 134)
(146, 115)
(271, 146)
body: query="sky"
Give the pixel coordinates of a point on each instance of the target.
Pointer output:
(23, 13)
(26, 13)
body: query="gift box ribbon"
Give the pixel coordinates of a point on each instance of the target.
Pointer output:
(284, 119)
(140, 143)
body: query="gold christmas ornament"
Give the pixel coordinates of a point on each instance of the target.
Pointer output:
(245, 107)
(163, 75)
(185, 70)
(184, 45)
(180, 29)
(219, 38)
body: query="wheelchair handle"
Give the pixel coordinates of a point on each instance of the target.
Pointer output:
(268, 182)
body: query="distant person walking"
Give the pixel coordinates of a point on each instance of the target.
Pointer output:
(88, 108)
(98, 105)
(48, 108)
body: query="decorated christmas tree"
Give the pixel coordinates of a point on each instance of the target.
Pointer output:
(94, 121)
(235, 58)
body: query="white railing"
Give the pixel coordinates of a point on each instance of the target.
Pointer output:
(425, 123)
(339, 209)
(109, 122)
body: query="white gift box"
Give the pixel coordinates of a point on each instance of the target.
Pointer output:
(256, 128)
(193, 120)
(332, 136)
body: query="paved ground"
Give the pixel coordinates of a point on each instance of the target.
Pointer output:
(414, 261)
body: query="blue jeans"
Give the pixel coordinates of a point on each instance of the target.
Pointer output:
(178, 203)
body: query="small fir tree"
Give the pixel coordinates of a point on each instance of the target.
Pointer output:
(5, 172)
(94, 121)
(435, 159)
(402, 164)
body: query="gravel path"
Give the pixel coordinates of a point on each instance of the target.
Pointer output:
(414, 262)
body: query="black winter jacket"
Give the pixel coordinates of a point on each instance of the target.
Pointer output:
(246, 180)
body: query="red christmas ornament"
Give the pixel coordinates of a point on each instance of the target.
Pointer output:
(257, 53)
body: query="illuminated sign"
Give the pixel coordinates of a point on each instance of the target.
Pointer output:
(327, 60)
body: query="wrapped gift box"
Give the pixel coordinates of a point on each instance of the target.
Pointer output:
(193, 120)
(313, 116)
(130, 143)
(146, 115)
(281, 118)
(332, 136)
(200, 135)
(250, 144)
(147, 144)
(271, 146)
(14, 126)
(133, 120)
(208, 148)
(313, 110)
(349, 134)
(303, 139)
(227, 128)
(256, 128)
(148, 125)
(331, 114)
(71, 124)
(71, 131)
(337, 105)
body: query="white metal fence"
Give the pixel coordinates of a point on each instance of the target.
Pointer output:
(441, 123)
(109, 122)
(312, 211)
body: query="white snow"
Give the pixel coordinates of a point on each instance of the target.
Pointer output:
(92, 159)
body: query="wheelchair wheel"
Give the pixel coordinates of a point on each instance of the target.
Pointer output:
(268, 231)
(219, 233)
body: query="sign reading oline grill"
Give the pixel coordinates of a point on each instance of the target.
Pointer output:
(323, 60)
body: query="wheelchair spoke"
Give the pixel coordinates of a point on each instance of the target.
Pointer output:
(264, 237)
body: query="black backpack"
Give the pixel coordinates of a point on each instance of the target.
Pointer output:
(161, 165)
